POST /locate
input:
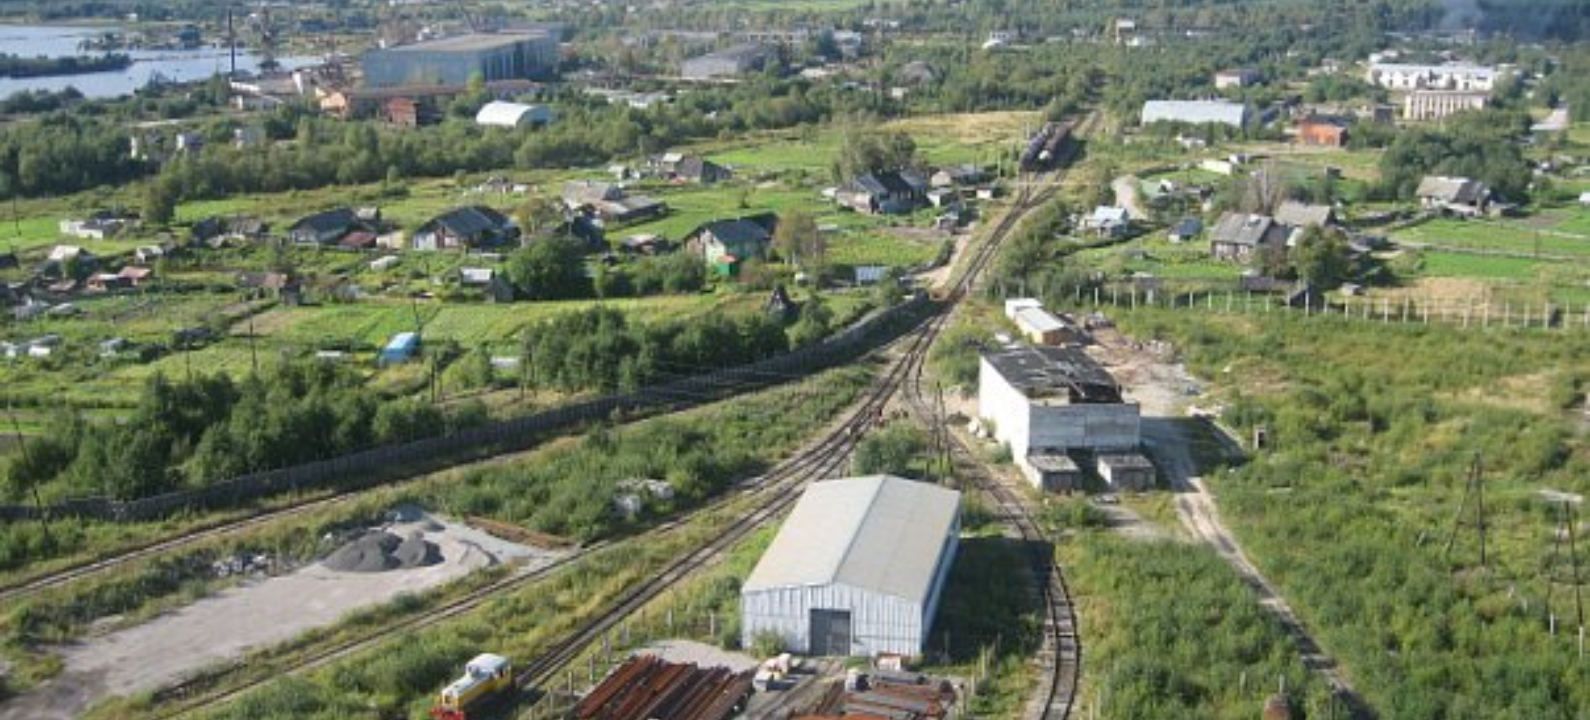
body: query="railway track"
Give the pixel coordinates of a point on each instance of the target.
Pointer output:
(773, 493)
(1060, 653)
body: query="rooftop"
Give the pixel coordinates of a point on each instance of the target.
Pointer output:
(1044, 372)
(471, 42)
(879, 533)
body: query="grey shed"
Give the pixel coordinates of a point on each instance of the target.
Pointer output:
(857, 568)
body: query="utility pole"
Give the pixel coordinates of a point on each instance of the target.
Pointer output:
(1476, 488)
(253, 352)
(38, 500)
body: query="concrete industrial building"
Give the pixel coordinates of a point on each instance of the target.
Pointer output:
(1048, 401)
(456, 60)
(732, 62)
(856, 570)
(1450, 76)
(1195, 112)
(1441, 104)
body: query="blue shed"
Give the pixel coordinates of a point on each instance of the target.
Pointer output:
(400, 349)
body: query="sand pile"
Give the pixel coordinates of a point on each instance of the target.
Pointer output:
(379, 551)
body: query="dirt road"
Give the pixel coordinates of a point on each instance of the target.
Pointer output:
(224, 627)
(1164, 388)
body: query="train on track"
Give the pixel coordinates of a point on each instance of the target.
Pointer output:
(1046, 148)
(485, 677)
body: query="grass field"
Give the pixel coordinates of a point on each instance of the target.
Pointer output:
(1509, 237)
(1440, 264)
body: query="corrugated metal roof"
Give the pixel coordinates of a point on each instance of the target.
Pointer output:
(1196, 112)
(879, 533)
(1039, 320)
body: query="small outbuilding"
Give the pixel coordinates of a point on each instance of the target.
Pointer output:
(1052, 472)
(1126, 472)
(400, 349)
(856, 570)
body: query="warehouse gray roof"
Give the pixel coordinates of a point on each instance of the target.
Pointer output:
(1196, 112)
(471, 42)
(879, 533)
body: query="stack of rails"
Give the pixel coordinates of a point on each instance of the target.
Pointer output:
(649, 688)
(884, 700)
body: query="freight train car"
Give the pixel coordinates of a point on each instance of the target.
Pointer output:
(1046, 147)
(484, 677)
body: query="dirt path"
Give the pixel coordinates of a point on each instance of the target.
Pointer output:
(1164, 388)
(1127, 196)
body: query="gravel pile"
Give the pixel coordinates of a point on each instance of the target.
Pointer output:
(379, 551)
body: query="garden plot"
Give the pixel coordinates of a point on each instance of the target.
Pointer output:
(367, 571)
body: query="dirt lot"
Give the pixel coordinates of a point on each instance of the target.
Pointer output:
(254, 615)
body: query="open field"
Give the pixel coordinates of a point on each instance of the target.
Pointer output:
(1523, 238)
(1349, 507)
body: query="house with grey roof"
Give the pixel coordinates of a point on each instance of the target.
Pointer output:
(472, 226)
(1240, 236)
(1454, 195)
(1302, 215)
(857, 569)
(731, 62)
(884, 193)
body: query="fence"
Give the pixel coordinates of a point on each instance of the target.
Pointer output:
(1466, 312)
(382, 464)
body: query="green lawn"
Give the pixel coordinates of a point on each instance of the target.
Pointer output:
(1511, 237)
(1440, 264)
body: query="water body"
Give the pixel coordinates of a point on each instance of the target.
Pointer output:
(173, 65)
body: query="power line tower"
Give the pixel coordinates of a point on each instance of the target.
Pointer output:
(1568, 520)
(1475, 490)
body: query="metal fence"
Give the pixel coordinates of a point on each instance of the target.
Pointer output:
(392, 462)
(1407, 309)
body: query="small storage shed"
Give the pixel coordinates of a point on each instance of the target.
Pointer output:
(400, 349)
(857, 569)
(1126, 472)
(1052, 472)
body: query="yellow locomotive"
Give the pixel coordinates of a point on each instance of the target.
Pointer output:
(484, 677)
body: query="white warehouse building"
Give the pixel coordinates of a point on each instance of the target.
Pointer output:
(856, 570)
(1045, 401)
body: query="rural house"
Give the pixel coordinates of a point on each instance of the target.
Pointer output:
(1301, 215)
(958, 176)
(1109, 222)
(473, 226)
(725, 244)
(887, 193)
(680, 167)
(1455, 195)
(325, 228)
(1239, 237)
(609, 202)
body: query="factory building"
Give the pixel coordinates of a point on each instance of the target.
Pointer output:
(1442, 104)
(456, 60)
(737, 60)
(1045, 402)
(856, 570)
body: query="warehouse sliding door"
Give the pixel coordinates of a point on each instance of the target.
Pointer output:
(830, 633)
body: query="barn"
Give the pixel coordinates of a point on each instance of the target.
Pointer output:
(856, 570)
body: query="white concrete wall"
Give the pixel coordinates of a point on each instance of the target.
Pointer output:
(1000, 402)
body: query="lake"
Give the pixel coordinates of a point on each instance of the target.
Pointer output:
(174, 65)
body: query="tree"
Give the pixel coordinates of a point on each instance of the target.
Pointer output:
(890, 450)
(1321, 257)
(815, 322)
(536, 215)
(800, 242)
(160, 202)
(550, 269)
(869, 151)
